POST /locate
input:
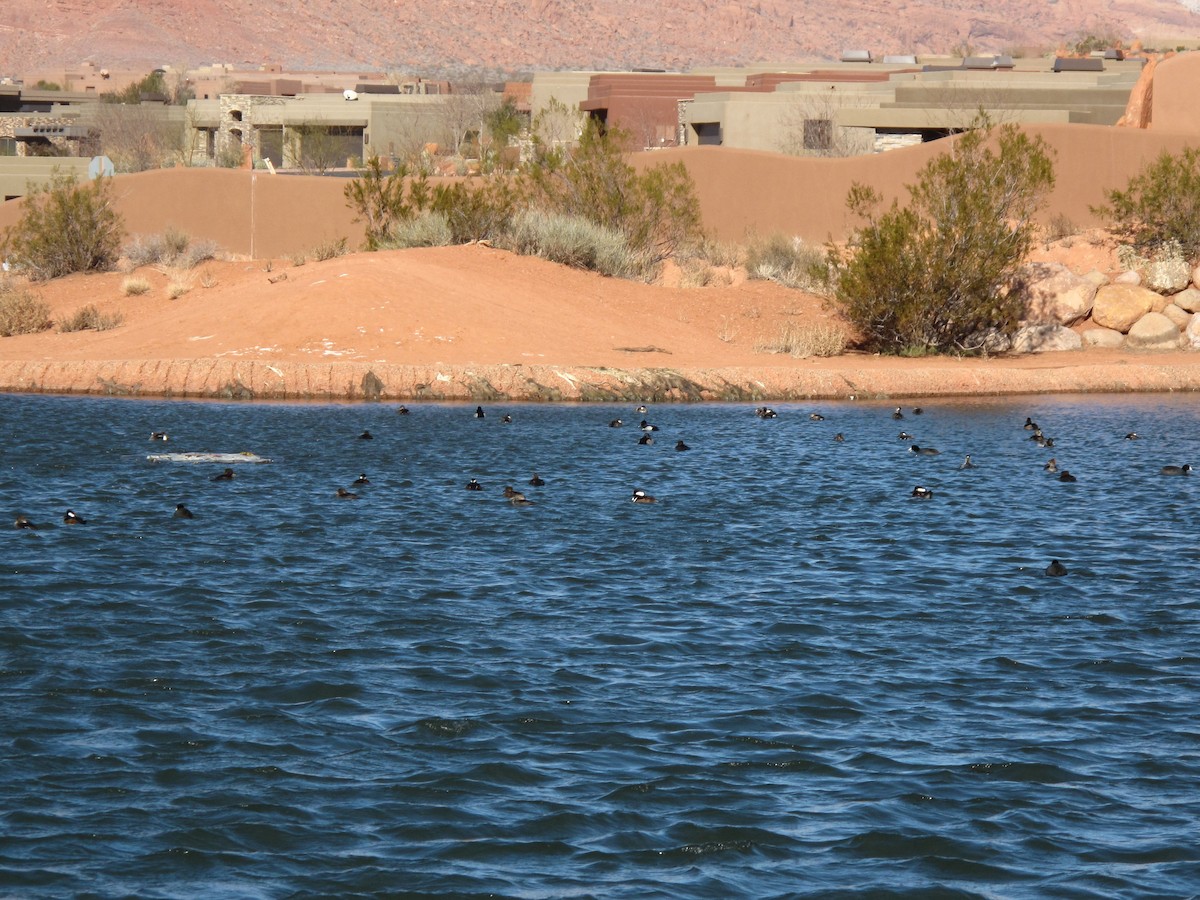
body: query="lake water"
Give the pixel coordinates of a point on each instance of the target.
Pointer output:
(786, 678)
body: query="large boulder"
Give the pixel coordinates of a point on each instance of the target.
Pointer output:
(1188, 300)
(1196, 277)
(1130, 277)
(1054, 294)
(1118, 306)
(1193, 332)
(1179, 317)
(1153, 331)
(1044, 338)
(1167, 274)
(1105, 338)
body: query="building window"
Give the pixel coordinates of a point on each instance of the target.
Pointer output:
(818, 134)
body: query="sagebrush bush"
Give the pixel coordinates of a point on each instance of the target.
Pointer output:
(805, 341)
(172, 249)
(89, 318)
(178, 287)
(1159, 204)
(428, 229)
(134, 287)
(572, 241)
(787, 261)
(64, 227)
(934, 275)
(20, 311)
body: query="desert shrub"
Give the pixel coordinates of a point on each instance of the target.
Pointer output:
(330, 248)
(172, 248)
(429, 229)
(134, 287)
(208, 279)
(65, 227)
(934, 275)
(656, 209)
(477, 210)
(1060, 227)
(20, 311)
(804, 341)
(786, 261)
(695, 273)
(714, 252)
(89, 318)
(1159, 204)
(380, 200)
(572, 241)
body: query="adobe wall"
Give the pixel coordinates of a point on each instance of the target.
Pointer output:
(1176, 87)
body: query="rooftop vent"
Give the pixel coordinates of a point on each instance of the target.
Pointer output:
(856, 56)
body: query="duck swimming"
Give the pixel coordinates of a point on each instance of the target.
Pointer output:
(402, 411)
(474, 485)
(1132, 436)
(923, 451)
(839, 438)
(536, 481)
(24, 522)
(765, 412)
(507, 420)
(227, 475)
(72, 518)
(897, 414)
(479, 412)
(510, 494)
(1175, 470)
(1030, 425)
(344, 494)
(646, 426)
(1051, 465)
(967, 464)
(640, 409)
(361, 479)
(615, 423)
(643, 497)
(905, 436)
(645, 440)
(366, 436)
(1056, 569)
(158, 436)
(680, 445)
(816, 417)
(1064, 475)
(921, 493)
(182, 512)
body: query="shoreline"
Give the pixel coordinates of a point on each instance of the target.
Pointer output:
(846, 377)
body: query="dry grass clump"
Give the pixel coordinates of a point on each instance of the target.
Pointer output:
(172, 249)
(208, 279)
(134, 286)
(1059, 228)
(786, 261)
(177, 287)
(804, 341)
(719, 253)
(329, 249)
(20, 311)
(298, 259)
(577, 242)
(89, 318)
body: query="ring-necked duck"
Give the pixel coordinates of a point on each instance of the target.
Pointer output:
(182, 512)
(680, 445)
(1064, 475)
(643, 497)
(645, 440)
(1056, 569)
(73, 518)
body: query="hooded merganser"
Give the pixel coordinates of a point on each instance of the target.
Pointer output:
(73, 518)
(816, 417)
(344, 494)
(905, 436)
(765, 412)
(158, 436)
(923, 451)
(474, 485)
(182, 512)
(643, 497)
(897, 414)
(361, 479)
(640, 409)
(1132, 436)
(615, 423)
(921, 493)
(402, 411)
(23, 522)
(507, 420)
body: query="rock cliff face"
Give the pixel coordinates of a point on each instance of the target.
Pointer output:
(429, 35)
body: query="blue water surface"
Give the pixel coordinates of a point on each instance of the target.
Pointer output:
(786, 678)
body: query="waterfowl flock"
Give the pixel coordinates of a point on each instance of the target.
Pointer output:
(646, 431)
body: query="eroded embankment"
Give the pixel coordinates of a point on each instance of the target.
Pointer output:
(840, 379)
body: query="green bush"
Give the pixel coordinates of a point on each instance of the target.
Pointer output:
(572, 241)
(65, 227)
(21, 312)
(934, 276)
(478, 209)
(786, 261)
(429, 229)
(1159, 204)
(380, 199)
(88, 318)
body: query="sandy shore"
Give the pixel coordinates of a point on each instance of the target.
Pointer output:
(475, 324)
